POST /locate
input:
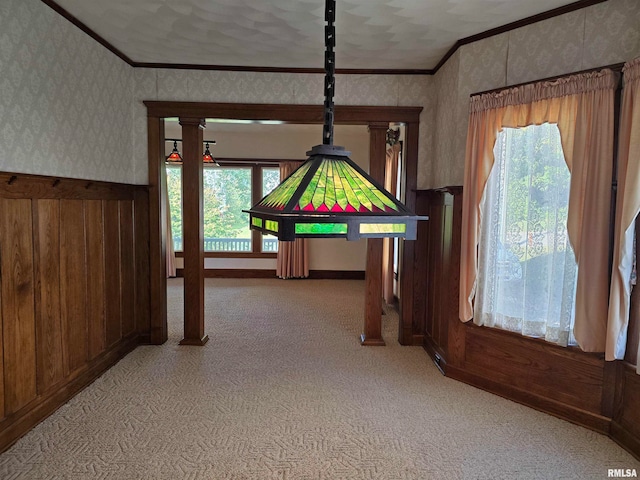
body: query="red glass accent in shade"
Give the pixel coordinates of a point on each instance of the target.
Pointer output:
(322, 208)
(207, 157)
(174, 156)
(337, 208)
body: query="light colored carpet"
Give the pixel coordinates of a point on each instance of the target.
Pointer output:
(283, 390)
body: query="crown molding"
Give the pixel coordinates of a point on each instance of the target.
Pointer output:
(241, 68)
(580, 4)
(572, 7)
(71, 18)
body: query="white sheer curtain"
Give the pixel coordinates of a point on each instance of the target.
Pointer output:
(525, 261)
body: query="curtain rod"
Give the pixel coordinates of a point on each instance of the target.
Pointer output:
(212, 142)
(616, 67)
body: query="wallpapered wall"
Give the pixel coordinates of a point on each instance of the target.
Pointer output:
(65, 100)
(599, 35)
(57, 82)
(284, 88)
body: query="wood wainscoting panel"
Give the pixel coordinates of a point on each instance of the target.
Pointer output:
(18, 339)
(625, 427)
(127, 268)
(12, 428)
(629, 415)
(46, 223)
(71, 280)
(557, 373)
(440, 247)
(142, 267)
(73, 274)
(96, 316)
(433, 248)
(566, 382)
(456, 330)
(112, 271)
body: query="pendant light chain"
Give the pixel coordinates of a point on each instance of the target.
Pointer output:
(329, 195)
(330, 70)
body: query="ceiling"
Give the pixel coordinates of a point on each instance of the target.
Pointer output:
(370, 34)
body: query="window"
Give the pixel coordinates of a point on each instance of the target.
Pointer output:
(174, 189)
(227, 190)
(270, 180)
(553, 292)
(526, 266)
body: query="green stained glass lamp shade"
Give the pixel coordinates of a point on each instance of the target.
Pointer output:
(330, 196)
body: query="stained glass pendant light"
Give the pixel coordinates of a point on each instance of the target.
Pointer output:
(174, 157)
(207, 158)
(329, 195)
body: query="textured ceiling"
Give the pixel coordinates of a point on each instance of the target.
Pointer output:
(371, 34)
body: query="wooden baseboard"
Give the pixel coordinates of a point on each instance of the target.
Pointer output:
(566, 412)
(625, 439)
(434, 353)
(144, 338)
(232, 273)
(16, 425)
(259, 273)
(336, 274)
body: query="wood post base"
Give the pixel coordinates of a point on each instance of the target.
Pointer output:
(198, 342)
(371, 342)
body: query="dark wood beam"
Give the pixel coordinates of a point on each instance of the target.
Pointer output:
(347, 115)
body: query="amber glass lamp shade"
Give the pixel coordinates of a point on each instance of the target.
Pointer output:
(174, 157)
(207, 158)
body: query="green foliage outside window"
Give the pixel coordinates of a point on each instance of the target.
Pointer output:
(226, 192)
(174, 188)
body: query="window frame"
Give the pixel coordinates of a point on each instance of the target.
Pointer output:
(493, 242)
(257, 165)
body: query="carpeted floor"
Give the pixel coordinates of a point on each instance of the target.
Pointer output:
(283, 390)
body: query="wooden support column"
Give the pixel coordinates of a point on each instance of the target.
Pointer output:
(157, 231)
(410, 329)
(372, 335)
(193, 231)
